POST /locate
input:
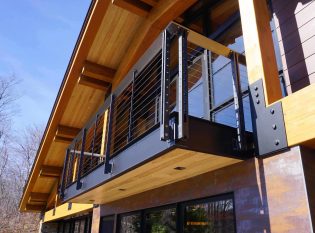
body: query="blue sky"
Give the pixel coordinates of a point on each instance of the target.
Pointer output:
(36, 41)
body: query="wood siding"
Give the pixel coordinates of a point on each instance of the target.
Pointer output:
(295, 25)
(270, 194)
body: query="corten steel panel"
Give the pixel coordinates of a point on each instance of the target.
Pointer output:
(308, 158)
(295, 24)
(270, 194)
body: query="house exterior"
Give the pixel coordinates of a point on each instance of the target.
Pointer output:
(183, 116)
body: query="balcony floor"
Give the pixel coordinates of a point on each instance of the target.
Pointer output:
(156, 173)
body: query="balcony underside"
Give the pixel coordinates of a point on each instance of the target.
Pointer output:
(150, 163)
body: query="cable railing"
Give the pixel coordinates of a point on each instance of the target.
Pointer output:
(177, 80)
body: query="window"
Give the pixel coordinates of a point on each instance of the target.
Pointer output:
(161, 221)
(107, 224)
(130, 223)
(213, 216)
(210, 215)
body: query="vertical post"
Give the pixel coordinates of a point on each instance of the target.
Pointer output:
(63, 177)
(260, 54)
(93, 141)
(165, 88)
(107, 165)
(207, 104)
(182, 86)
(79, 183)
(238, 102)
(70, 171)
(130, 131)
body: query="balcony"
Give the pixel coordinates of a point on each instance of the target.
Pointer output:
(181, 111)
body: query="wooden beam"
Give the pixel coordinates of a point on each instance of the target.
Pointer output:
(259, 49)
(52, 196)
(160, 16)
(34, 208)
(97, 71)
(87, 35)
(299, 117)
(50, 171)
(63, 140)
(135, 6)
(67, 132)
(38, 197)
(94, 83)
(209, 44)
(150, 2)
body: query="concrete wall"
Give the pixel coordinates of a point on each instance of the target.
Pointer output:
(270, 194)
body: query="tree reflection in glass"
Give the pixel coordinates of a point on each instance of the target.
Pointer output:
(130, 224)
(161, 221)
(210, 217)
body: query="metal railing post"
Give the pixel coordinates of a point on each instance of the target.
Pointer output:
(130, 132)
(63, 177)
(182, 86)
(238, 103)
(165, 88)
(107, 165)
(79, 183)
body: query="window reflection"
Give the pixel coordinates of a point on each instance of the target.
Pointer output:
(161, 221)
(130, 224)
(210, 217)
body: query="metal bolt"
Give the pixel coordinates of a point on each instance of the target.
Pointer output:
(256, 88)
(277, 142)
(257, 94)
(257, 101)
(272, 111)
(274, 126)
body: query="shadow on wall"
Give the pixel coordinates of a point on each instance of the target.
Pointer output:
(295, 23)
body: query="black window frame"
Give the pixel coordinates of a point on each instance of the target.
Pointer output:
(180, 211)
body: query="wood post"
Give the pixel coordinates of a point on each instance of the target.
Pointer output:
(259, 49)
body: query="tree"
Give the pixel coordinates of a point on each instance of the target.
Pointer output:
(17, 153)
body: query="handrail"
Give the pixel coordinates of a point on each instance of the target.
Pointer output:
(131, 110)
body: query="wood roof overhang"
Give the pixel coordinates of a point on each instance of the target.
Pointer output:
(112, 39)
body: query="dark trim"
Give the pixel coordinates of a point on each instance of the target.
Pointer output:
(165, 87)
(180, 211)
(268, 122)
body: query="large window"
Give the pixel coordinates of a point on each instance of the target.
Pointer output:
(130, 223)
(75, 225)
(161, 221)
(210, 215)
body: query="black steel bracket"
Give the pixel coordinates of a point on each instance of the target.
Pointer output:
(268, 123)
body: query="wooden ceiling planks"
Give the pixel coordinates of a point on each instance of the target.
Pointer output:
(112, 37)
(156, 173)
(111, 42)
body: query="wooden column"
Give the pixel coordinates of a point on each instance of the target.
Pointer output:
(96, 218)
(259, 49)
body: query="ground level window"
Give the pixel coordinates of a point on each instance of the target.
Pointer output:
(130, 223)
(213, 216)
(107, 224)
(209, 215)
(161, 221)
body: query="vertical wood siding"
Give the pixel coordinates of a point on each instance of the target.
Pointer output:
(295, 25)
